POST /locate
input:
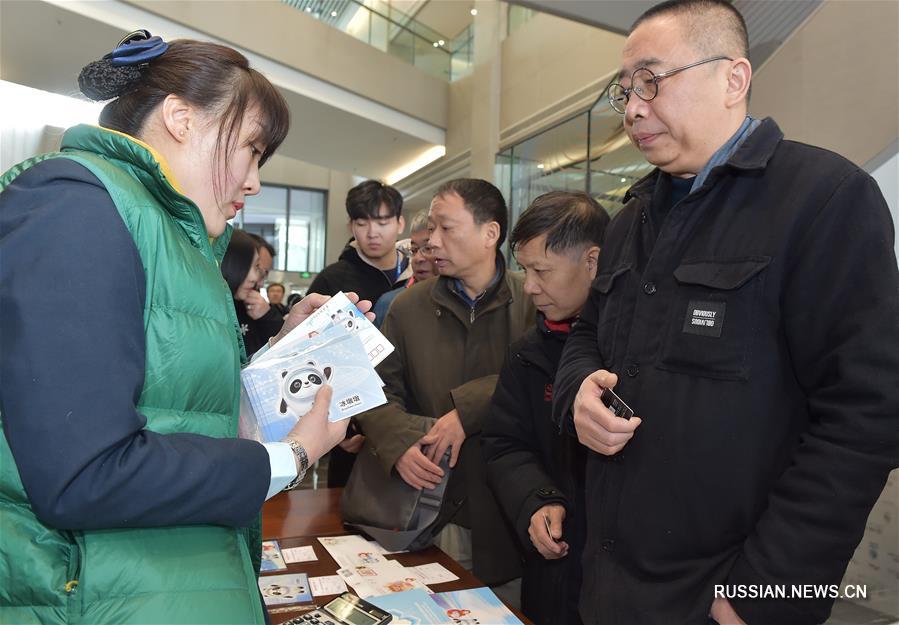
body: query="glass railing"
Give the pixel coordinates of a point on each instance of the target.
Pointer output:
(462, 54)
(518, 17)
(383, 27)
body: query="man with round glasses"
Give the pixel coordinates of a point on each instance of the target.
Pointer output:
(745, 308)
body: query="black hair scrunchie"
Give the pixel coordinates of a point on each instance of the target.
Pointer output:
(101, 80)
(119, 71)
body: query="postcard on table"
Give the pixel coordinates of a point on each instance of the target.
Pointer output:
(283, 589)
(411, 607)
(349, 551)
(299, 554)
(327, 585)
(477, 605)
(374, 580)
(272, 559)
(433, 573)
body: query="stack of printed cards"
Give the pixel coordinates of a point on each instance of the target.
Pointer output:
(272, 559)
(374, 580)
(281, 589)
(336, 345)
(370, 574)
(367, 571)
(351, 550)
(337, 311)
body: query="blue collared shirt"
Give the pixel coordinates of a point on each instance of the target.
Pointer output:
(472, 302)
(723, 154)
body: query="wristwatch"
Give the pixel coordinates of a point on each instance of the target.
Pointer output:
(302, 461)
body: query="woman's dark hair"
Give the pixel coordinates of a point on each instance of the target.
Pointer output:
(365, 199)
(238, 259)
(483, 200)
(570, 221)
(293, 298)
(215, 78)
(262, 243)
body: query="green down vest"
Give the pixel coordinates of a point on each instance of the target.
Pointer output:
(172, 575)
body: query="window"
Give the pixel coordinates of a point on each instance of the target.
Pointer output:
(293, 221)
(305, 236)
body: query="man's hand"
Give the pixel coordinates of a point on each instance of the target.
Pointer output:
(415, 468)
(256, 305)
(723, 612)
(352, 444)
(545, 543)
(447, 433)
(314, 432)
(597, 427)
(309, 304)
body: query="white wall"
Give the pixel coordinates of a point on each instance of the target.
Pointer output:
(812, 86)
(887, 176)
(32, 121)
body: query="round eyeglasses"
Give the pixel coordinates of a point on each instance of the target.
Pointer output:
(425, 250)
(645, 84)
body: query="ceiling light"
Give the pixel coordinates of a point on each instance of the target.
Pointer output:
(308, 9)
(474, 11)
(540, 165)
(333, 13)
(441, 42)
(624, 180)
(429, 156)
(436, 45)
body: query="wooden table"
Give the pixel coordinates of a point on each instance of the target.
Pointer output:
(301, 513)
(298, 518)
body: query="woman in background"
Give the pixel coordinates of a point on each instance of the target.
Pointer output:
(258, 320)
(124, 494)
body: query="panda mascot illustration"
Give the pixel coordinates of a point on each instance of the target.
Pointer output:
(345, 318)
(299, 386)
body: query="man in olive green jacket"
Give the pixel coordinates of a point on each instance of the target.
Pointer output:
(451, 334)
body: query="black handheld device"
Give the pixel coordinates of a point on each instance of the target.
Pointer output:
(614, 403)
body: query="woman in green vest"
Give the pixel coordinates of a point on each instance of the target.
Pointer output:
(125, 496)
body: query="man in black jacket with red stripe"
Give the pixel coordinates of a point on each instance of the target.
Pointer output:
(536, 473)
(746, 308)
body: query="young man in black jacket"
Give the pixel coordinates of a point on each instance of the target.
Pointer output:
(536, 473)
(746, 308)
(369, 266)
